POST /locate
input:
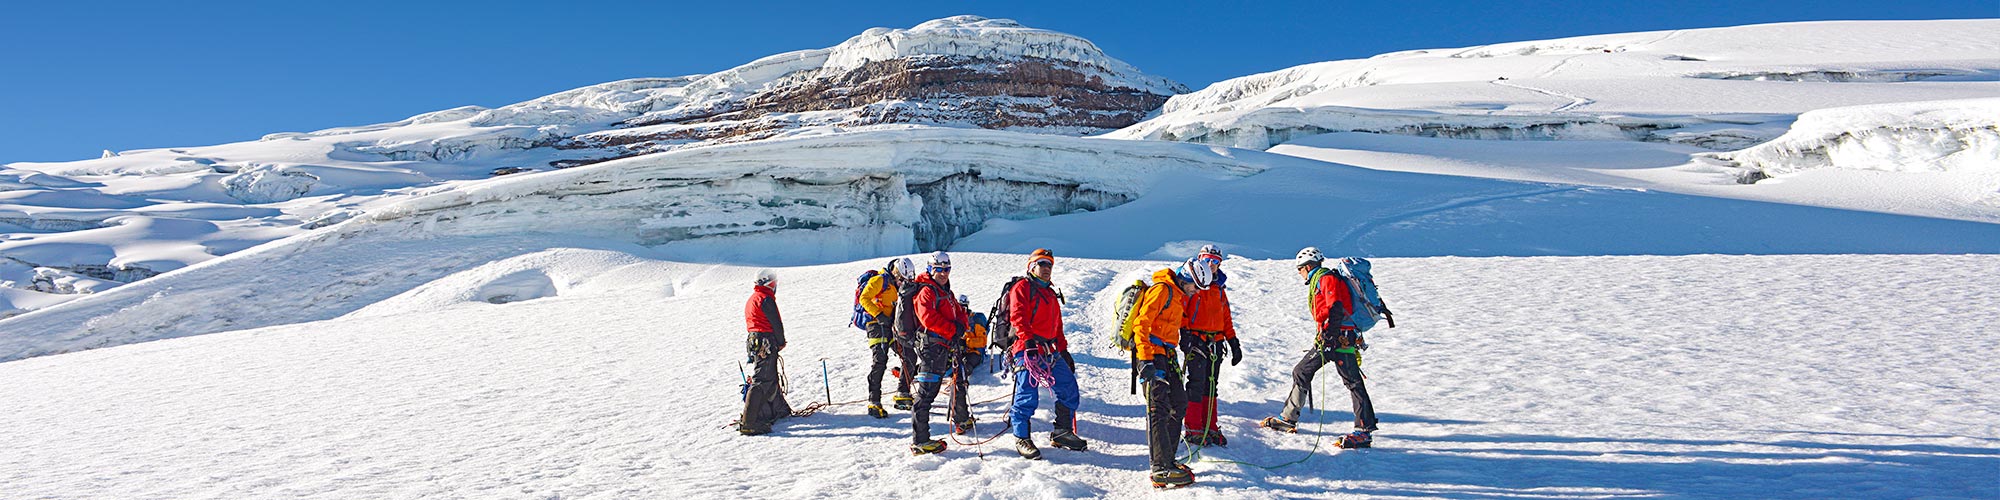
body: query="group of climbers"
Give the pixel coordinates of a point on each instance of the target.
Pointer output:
(1178, 327)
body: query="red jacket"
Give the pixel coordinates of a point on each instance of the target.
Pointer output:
(1208, 314)
(1330, 301)
(1035, 314)
(761, 313)
(938, 310)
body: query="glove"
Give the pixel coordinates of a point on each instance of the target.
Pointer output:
(1071, 360)
(1235, 352)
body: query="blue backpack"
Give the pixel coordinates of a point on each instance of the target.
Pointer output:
(1369, 308)
(860, 318)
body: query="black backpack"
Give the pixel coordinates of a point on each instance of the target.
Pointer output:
(1002, 330)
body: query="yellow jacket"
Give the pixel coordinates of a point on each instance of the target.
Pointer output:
(878, 297)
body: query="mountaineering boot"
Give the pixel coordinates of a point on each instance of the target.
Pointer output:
(1274, 423)
(749, 431)
(963, 428)
(1172, 478)
(1026, 447)
(1063, 438)
(1197, 438)
(1356, 439)
(875, 410)
(927, 447)
(1215, 439)
(902, 401)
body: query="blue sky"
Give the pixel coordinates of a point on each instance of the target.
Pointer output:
(77, 78)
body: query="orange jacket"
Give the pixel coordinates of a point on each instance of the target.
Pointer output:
(1161, 312)
(1208, 314)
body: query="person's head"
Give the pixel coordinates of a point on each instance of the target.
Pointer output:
(900, 269)
(1211, 263)
(1041, 264)
(767, 278)
(1197, 272)
(1210, 250)
(940, 267)
(1309, 259)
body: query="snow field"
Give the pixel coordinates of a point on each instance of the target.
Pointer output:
(1573, 377)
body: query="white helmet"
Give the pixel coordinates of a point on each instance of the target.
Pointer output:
(1308, 257)
(1209, 249)
(940, 261)
(901, 268)
(964, 300)
(1201, 273)
(767, 277)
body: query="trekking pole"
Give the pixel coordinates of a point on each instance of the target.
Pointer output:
(825, 381)
(745, 388)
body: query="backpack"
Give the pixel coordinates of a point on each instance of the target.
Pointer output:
(1127, 311)
(1369, 308)
(860, 318)
(1001, 330)
(905, 323)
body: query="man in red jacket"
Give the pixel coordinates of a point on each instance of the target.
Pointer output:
(1041, 355)
(763, 403)
(940, 319)
(1336, 342)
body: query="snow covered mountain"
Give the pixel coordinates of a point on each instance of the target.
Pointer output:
(540, 300)
(88, 225)
(1886, 116)
(843, 190)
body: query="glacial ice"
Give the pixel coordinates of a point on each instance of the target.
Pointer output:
(1932, 136)
(849, 195)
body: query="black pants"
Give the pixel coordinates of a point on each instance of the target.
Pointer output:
(765, 402)
(1166, 405)
(1350, 374)
(878, 348)
(905, 348)
(1203, 367)
(935, 359)
(961, 380)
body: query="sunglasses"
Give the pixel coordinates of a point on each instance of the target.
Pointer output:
(1044, 263)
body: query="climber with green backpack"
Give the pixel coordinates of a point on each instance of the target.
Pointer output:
(1152, 329)
(1344, 303)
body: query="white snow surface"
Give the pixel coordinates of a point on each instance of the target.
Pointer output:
(1845, 376)
(843, 197)
(1719, 87)
(1971, 193)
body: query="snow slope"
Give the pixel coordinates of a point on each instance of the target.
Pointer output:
(1696, 376)
(1895, 117)
(1189, 195)
(1719, 87)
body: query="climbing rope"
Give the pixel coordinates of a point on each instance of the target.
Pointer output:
(1194, 450)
